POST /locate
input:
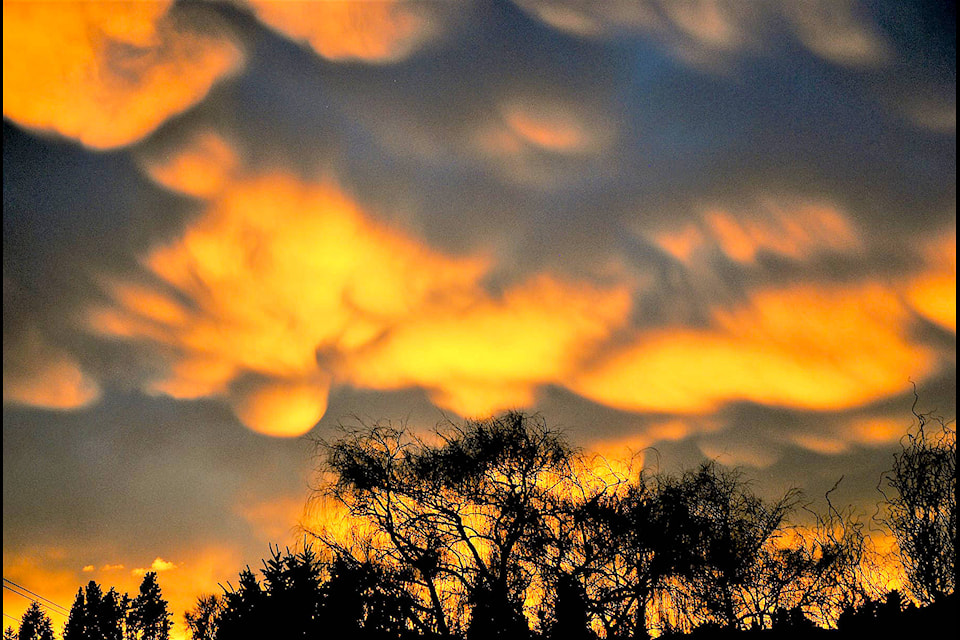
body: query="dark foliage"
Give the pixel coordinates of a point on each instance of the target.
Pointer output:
(149, 616)
(35, 624)
(97, 616)
(499, 529)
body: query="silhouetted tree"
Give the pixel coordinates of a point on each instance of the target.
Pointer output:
(203, 619)
(149, 617)
(731, 534)
(35, 624)
(364, 600)
(921, 507)
(76, 627)
(304, 597)
(96, 616)
(244, 610)
(571, 616)
(9, 633)
(464, 519)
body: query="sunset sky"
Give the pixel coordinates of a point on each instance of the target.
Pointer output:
(723, 229)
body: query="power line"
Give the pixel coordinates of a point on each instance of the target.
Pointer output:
(17, 620)
(34, 593)
(51, 608)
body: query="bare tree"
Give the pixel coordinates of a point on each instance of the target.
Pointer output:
(920, 506)
(732, 534)
(467, 517)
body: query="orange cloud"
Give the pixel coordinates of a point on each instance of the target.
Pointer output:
(373, 32)
(933, 292)
(822, 348)
(492, 354)
(158, 565)
(282, 288)
(796, 230)
(200, 168)
(37, 374)
(105, 74)
(529, 138)
(281, 408)
(549, 127)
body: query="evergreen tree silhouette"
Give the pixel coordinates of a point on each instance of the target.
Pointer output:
(35, 624)
(95, 615)
(149, 617)
(76, 627)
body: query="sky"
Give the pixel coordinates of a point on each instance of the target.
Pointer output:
(721, 229)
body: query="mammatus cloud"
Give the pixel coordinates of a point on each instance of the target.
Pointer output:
(838, 31)
(823, 348)
(106, 74)
(38, 374)
(797, 230)
(933, 292)
(283, 288)
(372, 32)
(201, 166)
(492, 354)
(705, 33)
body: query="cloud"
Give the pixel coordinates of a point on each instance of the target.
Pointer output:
(707, 33)
(107, 74)
(200, 166)
(933, 292)
(821, 348)
(281, 408)
(837, 31)
(88, 568)
(491, 354)
(159, 565)
(38, 374)
(281, 288)
(784, 227)
(372, 32)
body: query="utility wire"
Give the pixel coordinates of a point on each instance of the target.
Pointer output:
(51, 608)
(33, 593)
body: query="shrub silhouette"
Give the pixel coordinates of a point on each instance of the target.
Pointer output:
(921, 507)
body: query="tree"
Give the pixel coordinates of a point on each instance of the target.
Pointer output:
(243, 612)
(920, 503)
(76, 628)
(464, 520)
(302, 596)
(9, 634)
(203, 620)
(731, 534)
(96, 616)
(35, 624)
(149, 617)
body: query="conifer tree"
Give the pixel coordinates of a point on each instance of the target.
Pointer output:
(35, 624)
(149, 617)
